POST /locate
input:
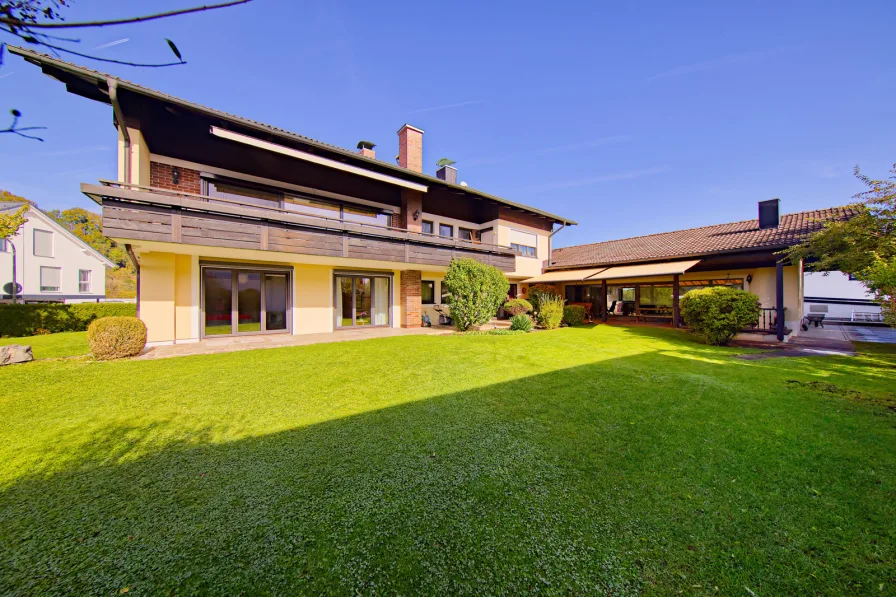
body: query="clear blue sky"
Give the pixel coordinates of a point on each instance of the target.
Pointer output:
(631, 118)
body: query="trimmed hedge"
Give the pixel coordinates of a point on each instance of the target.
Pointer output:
(718, 313)
(517, 306)
(27, 320)
(116, 337)
(574, 314)
(475, 292)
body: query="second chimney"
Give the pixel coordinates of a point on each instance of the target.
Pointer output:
(410, 148)
(447, 173)
(769, 213)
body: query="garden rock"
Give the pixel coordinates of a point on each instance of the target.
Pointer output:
(15, 353)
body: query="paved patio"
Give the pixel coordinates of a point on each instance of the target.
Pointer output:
(233, 344)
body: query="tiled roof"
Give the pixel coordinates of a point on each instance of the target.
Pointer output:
(721, 238)
(77, 69)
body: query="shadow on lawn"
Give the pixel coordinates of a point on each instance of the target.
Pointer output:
(584, 480)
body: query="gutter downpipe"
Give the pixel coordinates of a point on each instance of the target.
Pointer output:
(136, 263)
(551, 236)
(119, 116)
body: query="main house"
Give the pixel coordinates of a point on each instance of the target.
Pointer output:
(51, 263)
(238, 227)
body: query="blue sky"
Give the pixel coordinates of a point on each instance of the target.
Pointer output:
(630, 119)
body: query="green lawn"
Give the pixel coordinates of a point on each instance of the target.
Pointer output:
(67, 344)
(605, 460)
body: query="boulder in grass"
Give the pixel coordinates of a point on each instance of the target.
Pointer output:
(15, 353)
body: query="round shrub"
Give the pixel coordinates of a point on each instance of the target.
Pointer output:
(539, 292)
(517, 306)
(476, 292)
(521, 322)
(574, 314)
(116, 337)
(718, 313)
(550, 312)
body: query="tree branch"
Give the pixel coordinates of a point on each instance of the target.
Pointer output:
(162, 15)
(89, 57)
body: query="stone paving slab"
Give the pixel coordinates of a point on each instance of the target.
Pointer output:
(233, 344)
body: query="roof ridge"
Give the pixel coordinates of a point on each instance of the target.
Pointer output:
(616, 240)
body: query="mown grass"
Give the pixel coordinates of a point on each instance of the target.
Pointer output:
(603, 460)
(66, 344)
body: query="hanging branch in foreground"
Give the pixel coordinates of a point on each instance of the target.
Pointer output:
(27, 19)
(17, 130)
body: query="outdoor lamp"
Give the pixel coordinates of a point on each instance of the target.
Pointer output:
(416, 215)
(175, 175)
(749, 278)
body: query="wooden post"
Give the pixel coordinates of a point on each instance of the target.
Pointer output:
(779, 299)
(637, 301)
(603, 300)
(676, 317)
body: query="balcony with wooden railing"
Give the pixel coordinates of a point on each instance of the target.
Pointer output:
(145, 213)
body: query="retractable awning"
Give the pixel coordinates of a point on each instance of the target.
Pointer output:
(574, 275)
(645, 270)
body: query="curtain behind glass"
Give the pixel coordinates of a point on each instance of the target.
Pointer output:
(380, 301)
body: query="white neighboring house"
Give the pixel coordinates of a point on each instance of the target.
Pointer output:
(52, 264)
(838, 297)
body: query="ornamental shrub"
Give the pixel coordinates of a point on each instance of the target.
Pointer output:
(550, 312)
(517, 306)
(476, 292)
(574, 314)
(116, 337)
(521, 322)
(537, 292)
(26, 320)
(718, 313)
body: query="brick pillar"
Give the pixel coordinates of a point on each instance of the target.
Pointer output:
(409, 300)
(411, 201)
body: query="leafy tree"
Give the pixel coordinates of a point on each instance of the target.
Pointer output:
(476, 291)
(863, 246)
(10, 223)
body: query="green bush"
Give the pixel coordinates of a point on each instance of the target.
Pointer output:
(521, 322)
(517, 306)
(539, 292)
(574, 314)
(26, 320)
(550, 313)
(476, 292)
(718, 313)
(116, 337)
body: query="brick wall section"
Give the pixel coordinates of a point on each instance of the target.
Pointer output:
(410, 303)
(410, 148)
(368, 153)
(160, 176)
(411, 201)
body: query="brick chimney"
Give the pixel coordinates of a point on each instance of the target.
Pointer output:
(410, 148)
(366, 148)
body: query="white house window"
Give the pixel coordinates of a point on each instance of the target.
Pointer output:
(524, 243)
(49, 278)
(83, 280)
(43, 243)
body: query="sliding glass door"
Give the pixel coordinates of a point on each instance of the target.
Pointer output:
(362, 300)
(244, 301)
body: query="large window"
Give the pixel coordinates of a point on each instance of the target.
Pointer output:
(50, 279)
(446, 230)
(428, 292)
(362, 300)
(312, 206)
(43, 243)
(83, 280)
(244, 301)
